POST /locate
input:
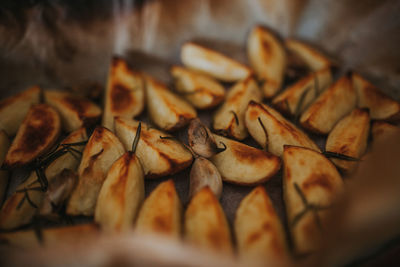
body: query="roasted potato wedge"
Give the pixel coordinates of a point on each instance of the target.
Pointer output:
(18, 210)
(259, 231)
(4, 145)
(160, 155)
(213, 63)
(332, 105)
(271, 130)
(161, 212)
(75, 111)
(205, 225)
(382, 130)
(38, 132)
(28, 239)
(314, 59)
(121, 195)
(268, 58)
(243, 164)
(124, 96)
(297, 97)
(349, 137)
(311, 183)
(102, 149)
(167, 110)
(13, 110)
(200, 90)
(381, 106)
(229, 118)
(204, 174)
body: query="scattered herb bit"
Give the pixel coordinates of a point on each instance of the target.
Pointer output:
(307, 207)
(265, 131)
(236, 117)
(137, 137)
(167, 137)
(335, 155)
(297, 111)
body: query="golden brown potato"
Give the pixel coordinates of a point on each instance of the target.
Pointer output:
(382, 130)
(332, 105)
(298, 96)
(167, 110)
(18, 210)
(160, 155)
(161, 212)
(243, 164)
(121, 195)
(13, 110)
(311, 183)
(349, 137)
(4, 145)
(258, 229)
(271, 130)
(314, 59)
(205, 223)
(124, 96)
(201, 91)
(75, 111)
(381, 106)
(28, 239)
(38, 132)
(268, 59)
(229, 118)
(102, 149)
(213, 63)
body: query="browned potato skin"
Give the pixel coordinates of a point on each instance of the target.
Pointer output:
(381, 106)
(159, 157)
(121, 195)
(212, 63)
(332, 105)
(102, 149)
(205, 223)
(244, 165)
(349, 137)
(258, 229)
(321, 184)
(268, 59)
(314, 59)
(161, 212)
(75, 111)
(278, 131)
(237, 99)
(38, 132)
(13, 109)
(287, 101)
(4, 145)
(124, 96)
(10, 215)
(27, 239)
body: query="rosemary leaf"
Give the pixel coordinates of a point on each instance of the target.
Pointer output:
(335, 155)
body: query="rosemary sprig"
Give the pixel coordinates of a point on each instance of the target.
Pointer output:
(297, 111)
(236, 117)
(336, 155)
(265, 131)
(40, 165)
(137, 137)
(308, 207)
